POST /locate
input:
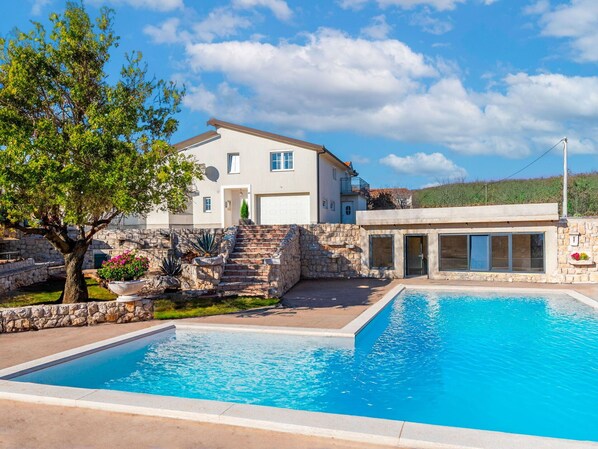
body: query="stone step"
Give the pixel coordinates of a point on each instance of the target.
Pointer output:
(240, 285)
(250, 278)
(266, 238)
(254, 244)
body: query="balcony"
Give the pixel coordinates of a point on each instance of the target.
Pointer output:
(353, 185)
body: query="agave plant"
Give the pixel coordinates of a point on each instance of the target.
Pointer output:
(171, 266)
(205, 244)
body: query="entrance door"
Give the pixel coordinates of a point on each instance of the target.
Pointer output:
(347, 212)
(416, 255)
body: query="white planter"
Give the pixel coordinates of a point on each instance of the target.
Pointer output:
(126, 290)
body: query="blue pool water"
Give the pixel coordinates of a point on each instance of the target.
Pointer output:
(515, 364)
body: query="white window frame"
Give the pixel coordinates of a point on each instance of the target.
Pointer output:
(207, 204)
(229, 165)
(334, 173)
(281, 154)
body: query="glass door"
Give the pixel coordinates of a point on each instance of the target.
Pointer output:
(415, 255)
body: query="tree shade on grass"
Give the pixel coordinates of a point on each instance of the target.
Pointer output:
(77, 151)
(165, 309)
(49, 293)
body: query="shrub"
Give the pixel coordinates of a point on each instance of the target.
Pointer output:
(171, 266)
(244, 210)
(205, 244)
(125, 267)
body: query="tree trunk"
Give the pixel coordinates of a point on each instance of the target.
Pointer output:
(75, 288)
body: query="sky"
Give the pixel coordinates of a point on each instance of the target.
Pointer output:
(414, 92)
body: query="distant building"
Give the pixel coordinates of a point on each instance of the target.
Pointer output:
(390, 198)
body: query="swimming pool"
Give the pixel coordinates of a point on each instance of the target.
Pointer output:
(513, 363)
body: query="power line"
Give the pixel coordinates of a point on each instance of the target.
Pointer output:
(522, 169)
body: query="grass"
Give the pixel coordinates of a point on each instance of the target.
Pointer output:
(49, 293)
(583, 197)
(166, 309)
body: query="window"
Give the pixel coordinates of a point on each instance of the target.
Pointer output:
(528, 252)
(453, 252)
(478, 253)
(381, 251)
(281, 161)
(325, 204)
(332, 205)
(492, 252)
(234, 163)
(334, 174)
(207, 204)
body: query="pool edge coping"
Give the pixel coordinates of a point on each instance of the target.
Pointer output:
(317, 424)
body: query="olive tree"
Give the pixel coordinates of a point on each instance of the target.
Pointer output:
(79, 148)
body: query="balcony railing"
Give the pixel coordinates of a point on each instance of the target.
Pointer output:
(353, 185)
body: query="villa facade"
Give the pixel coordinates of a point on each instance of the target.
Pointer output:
(282, 179)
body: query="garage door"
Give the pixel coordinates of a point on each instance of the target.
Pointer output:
(284, 209)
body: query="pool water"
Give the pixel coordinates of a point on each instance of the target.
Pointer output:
(515, 364)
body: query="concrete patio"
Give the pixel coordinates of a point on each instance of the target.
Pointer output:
(322, 304)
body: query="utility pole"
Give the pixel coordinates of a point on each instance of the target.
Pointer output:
(565, 178)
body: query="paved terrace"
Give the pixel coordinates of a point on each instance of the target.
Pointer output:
(325, 304)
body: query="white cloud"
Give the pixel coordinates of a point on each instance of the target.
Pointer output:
(165, 33)
(440, 5)
(576, 21)
(430, 24)
(38, 6)
(156, 5)
(334, 82)
(434, 165)
(279, 8)
(377, 29)
(220, 22)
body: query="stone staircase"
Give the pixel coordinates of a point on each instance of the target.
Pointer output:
(245, 271)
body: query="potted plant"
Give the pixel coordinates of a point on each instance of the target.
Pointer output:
(122, 273)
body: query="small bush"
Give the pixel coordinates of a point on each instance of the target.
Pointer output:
(244, 210)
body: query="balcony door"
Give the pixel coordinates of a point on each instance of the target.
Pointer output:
(416, 255)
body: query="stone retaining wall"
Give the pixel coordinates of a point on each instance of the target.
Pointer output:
(330, 251)
(22, 319)
(285, 264)
(585, 231)
(22, 273)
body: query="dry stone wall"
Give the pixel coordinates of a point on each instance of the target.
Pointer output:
(330, 251)
(285, 264)
(577, 235)
(22, 273)
(22, 319)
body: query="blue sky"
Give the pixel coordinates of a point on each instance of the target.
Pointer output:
(414, 92)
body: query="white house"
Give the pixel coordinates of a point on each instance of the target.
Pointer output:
(282, 179)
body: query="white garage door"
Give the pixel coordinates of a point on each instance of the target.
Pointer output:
(284, 209)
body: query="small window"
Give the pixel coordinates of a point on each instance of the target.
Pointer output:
(381, 251)
(325, 204)
(334, 174)
(332, 205)
(234, 163)
(207, 204)
(281, 161)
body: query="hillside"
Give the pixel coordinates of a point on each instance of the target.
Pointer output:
(583, 193)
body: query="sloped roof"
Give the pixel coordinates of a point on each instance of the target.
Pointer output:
(197, 139)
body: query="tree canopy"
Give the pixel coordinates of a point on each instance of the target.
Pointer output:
(77, 150)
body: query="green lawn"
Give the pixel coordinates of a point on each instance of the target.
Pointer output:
(166, 309)
(172, 307)
(49, 293)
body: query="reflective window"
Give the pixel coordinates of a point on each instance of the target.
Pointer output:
(381, 251)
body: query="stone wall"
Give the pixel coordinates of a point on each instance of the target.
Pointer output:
(585, 232)
(22, 273)
(285, 264)
(330, 251)
(206, 273)
(21, 319)
(155, 244)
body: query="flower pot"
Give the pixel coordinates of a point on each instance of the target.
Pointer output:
(126, 290)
